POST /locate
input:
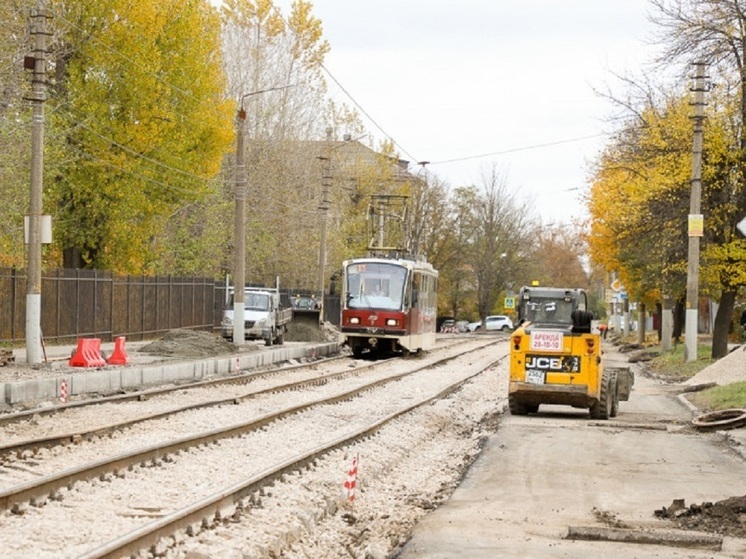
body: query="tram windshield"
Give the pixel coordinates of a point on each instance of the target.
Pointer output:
(375, 285)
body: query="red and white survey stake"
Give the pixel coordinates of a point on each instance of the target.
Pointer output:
(351, 481)
(63, 391)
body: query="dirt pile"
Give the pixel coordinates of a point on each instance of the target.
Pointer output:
(189, 343)
(726, 517)
(302, 332)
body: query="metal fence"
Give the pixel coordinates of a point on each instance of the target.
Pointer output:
(92, 303)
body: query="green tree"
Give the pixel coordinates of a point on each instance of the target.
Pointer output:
(15, 128)
(140, 103)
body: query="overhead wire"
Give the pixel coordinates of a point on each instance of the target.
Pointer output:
(348, 94)
(446, 161)
(523, 148)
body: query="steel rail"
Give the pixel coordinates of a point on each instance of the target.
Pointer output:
(39, 488)
(101, 430)
(224, 503)
(242, 378)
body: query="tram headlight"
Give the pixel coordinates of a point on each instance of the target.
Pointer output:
(354, 320)
(392, 322)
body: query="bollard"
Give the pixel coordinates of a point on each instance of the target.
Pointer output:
(119, 355)
(88, 354)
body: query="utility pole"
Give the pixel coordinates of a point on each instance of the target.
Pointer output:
(38, 98)
(695, 219)
(239, 270)
(326, 182)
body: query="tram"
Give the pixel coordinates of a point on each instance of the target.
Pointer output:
(389, 305)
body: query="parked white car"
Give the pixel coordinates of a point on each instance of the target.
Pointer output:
(498, 322)
(473, 326)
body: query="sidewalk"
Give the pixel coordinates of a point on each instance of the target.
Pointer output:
(60, 352)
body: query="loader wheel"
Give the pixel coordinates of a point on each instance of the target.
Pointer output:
(516, 407)
(602, 408)
(615, 397)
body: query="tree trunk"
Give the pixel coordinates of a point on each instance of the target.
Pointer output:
(71, 259)
(678, 320)
(641, 317)
(722, 323)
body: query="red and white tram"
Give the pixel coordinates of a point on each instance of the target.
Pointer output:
(388, 305)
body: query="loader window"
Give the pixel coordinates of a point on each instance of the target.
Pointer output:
(552, 311)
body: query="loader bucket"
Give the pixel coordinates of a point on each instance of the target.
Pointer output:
(306, 312)
(309, 317)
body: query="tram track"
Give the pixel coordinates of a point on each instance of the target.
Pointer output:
(227, 501)
(139, 395)
(231, 502)
(37, 491)
(87, 433)
(65, 414)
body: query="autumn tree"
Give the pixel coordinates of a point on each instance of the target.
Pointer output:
(140, 103)
(714, 32)
(639, 198)
(15, 128)
(273, 64)
(557, 257)
(502, 235)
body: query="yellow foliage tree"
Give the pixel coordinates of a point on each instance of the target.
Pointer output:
(141, 105)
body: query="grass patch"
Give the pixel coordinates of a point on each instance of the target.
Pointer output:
(671, 365)
(721, 397)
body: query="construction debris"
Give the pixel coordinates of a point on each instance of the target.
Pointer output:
(6, 356)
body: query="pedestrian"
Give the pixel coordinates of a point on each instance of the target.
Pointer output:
(602, 329)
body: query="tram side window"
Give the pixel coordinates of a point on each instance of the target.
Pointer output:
(416, 289)
(431, 293)
(427, 304)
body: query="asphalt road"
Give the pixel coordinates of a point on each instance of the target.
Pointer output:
(539, 475)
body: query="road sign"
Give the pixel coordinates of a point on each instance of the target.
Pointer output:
(509, 302)
(742, 226)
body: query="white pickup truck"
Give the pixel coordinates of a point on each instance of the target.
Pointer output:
(264, 317)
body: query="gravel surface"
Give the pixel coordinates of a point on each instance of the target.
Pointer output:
(729, 369)
(405, 470)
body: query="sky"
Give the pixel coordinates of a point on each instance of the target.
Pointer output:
(451, 82)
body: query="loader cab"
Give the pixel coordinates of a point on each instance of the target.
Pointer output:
(554, 308)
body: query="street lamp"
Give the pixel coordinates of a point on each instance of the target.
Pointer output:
(239, 272)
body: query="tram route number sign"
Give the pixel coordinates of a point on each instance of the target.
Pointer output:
(542, 340)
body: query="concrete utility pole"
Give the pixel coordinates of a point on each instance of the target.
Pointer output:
(239, 271)
(666, 322)
(326, 183)
(38, 98)
(695, 220)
